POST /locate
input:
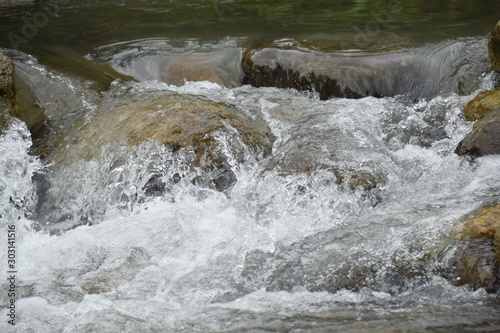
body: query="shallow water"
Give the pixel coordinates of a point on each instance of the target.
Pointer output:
(278, 251)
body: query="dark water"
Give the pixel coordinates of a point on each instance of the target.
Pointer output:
(56, 31)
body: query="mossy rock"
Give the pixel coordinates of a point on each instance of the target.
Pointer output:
(483, 103)
(486, 224)
(484, 139)
(8, 92)
(494, 47)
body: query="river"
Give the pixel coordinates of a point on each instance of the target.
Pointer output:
(275, 251)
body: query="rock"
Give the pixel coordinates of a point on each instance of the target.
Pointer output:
(476, 264)
(141, 144)
(218, 67)
(484, 139)
(287, 64)
(306, 153)
(389, 71)
(306, 161)
(486, 224)
(483, 103)
(8, 93)
(478, 255)
(175, 61)
(180, 121)
(494, 47)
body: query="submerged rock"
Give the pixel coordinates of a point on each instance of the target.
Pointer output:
(305, 157)
(175, 61)
(494, 47)
(8, 92)
(478, 255)
(218, 67)
(483, 103)
(390, 71)
(486, 225)
(484, 139)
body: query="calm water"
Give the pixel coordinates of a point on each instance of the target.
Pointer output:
(273, 253)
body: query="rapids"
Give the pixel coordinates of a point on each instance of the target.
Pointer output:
(275, 252)
(285, 248)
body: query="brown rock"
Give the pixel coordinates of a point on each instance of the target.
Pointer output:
(484, 139)
(8, 92)
(476, 264)
(486, 224)
(494, 47)
(180, 121)
(483, 103)
(478, 254)
(386, 71)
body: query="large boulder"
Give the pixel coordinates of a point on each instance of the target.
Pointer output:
(8, 92)
(484, 139)
(184, 122)
(483, 103)
(385, 71)
(494, 47)
(137, 145)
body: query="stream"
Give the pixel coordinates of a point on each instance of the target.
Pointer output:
(284, 246)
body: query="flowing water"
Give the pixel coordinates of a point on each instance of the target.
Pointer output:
(277, 251)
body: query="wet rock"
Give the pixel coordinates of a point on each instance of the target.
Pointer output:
(8, 92)
(183, 122)
(478, 255)
(107, 280)
(287, 64)
(484, 139)
(214, 67)
(175, 61)
(301, 155)
(389, 71)
(137, 145)
(494, 47)
(486, 224)
(476, 264)
(483, 103)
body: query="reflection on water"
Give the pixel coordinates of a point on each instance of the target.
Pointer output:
(176, 61)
